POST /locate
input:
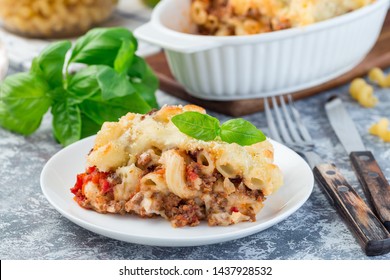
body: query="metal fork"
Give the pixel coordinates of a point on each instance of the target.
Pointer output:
(289, 128)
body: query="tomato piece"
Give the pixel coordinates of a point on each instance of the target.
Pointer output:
(105, 186)
(92, 174)
(91, 169)
(192, 173)
(79, 184)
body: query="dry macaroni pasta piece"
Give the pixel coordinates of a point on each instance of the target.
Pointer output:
(381, 129)
(377, 76)
(363, 93)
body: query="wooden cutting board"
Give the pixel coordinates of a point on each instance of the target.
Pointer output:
(378, 57)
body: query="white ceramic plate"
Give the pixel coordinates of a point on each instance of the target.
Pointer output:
(59, 175)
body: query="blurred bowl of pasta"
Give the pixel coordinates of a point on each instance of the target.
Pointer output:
(280, 54)
(54, 18)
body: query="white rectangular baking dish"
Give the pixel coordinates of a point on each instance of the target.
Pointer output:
(279, 62)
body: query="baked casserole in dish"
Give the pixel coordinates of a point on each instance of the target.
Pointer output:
(311, 43)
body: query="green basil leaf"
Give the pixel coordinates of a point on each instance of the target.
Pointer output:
(66, 122)
(147, 87)
(101, 46)
(105, 95)
(197, 125)
(58, 94)
(138, 68)
(125, 56)
(84, 84)
(23, 102)
(241, 132)
(113, 84)
(100, 110)
(50, 63)
(88, 126)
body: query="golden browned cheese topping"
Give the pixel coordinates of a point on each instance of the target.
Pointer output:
(246, 17)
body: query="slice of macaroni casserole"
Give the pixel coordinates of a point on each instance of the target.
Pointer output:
(144, 165)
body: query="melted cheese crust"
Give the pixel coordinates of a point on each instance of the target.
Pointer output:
(244, 17)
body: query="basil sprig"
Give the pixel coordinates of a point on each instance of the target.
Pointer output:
(113, 81)
(207, 128)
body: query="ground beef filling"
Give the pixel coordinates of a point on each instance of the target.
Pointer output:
(182, 212)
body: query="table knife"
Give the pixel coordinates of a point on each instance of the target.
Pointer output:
(374, 183)
(368, 229)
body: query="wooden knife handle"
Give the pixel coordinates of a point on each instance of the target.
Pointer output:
(370, 232)
(374, 183)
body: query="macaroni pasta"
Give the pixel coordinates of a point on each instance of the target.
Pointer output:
(377, 76)
(363, 93)
(381, 129)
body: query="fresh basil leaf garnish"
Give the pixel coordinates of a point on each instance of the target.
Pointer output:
(242, 132)
(197, 125)
(207, 128)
